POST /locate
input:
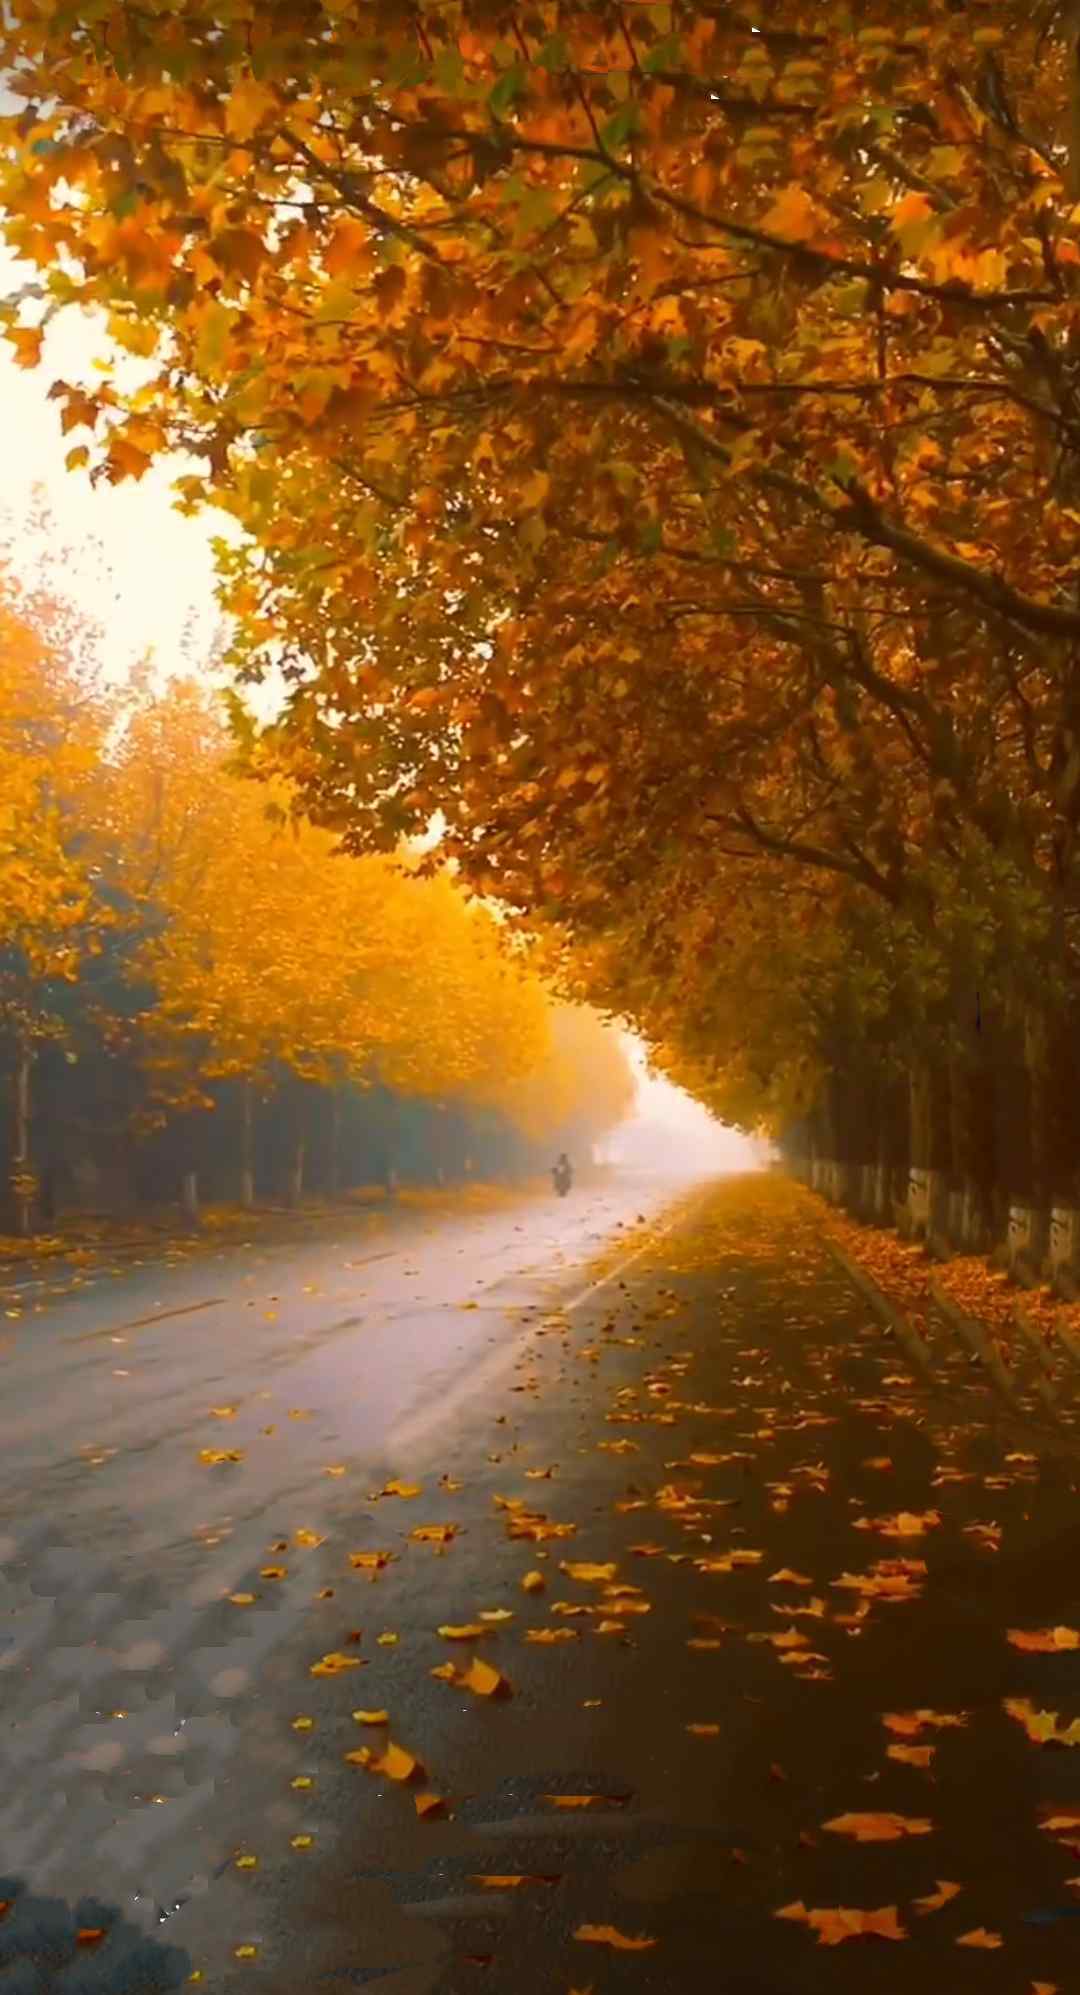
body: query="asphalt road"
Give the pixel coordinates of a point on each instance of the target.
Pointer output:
(328, 1365)
(779, 1576)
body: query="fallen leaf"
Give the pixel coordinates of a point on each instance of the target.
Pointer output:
(439, 1534)
(1041, 1726)
(979, 1938)
(882, 1828)
(911, 1755)
(309, 1538)
(371, 1717)
(446, 1671)
(301, 1842)
(786, 1578)
(466, 1633)
(511, 1883)
(428, 1804)
(846, 1923)
(534, 1582)
(484, 1679)
(1044, 1640)
(704, 1731)
(242, 1599)
(586, 1800)
(609, 1936)
(332, 1664)
(400, 1489)
(551, 1635)
(495, 1614)
(387, 1639)
(369, 1561)
(581, 1569)
(936, 1899)
(397, 1764)
(910, 1723)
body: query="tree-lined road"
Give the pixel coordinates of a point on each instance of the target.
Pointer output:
(328, 1365)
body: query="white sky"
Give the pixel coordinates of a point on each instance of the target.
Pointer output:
(156, 571)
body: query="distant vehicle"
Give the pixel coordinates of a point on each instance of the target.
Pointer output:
(562, 1176)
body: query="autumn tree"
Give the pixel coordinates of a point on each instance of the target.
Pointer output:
(53, 919)
(655, 430)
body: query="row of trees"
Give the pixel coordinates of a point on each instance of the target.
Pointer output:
(682, 408)
(193, 982)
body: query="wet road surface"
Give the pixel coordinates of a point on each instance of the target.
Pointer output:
(769, 1667)
(125, 1525)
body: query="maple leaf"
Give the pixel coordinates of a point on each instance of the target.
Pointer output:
(845, 1923)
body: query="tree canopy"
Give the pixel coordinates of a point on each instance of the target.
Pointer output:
(655, 432)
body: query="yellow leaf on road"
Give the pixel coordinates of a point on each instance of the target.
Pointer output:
(484, 1679)
(609, 1936)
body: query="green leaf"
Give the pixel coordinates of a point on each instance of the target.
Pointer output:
(666, 54)
(619, 128)
(555, 53)
(509, 86)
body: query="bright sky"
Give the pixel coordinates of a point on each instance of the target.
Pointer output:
(154, 572)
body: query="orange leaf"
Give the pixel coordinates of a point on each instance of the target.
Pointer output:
(794, 216)
(880, 1828)
(484, 1679)
(609, 1936)
(1044, 1640)
(938, 1898)
(979, 1938)
(397, 1764)
(428, 1804)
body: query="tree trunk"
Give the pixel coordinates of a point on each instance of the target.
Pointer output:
(921, 1110)
(296, 1175)
(189, 1197)
(23, 1186)
(1051, 1071)
(247, 1152)
(333, 1168)
(971, 1128)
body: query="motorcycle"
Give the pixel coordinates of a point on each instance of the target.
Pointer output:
(562, 1178)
